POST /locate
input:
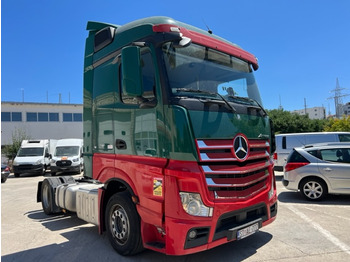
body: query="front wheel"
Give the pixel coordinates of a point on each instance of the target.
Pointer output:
(123, 224)
(313, 189)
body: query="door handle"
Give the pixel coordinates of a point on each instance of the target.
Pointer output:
(328, 169)
(120, 144)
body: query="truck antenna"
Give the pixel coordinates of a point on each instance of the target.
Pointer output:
(209, 31)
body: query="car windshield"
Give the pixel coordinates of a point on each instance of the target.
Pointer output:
(31, 151)
(198, 71)
(67, 151)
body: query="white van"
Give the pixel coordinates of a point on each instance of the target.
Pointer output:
(286, 142)
(33, 156)
(68, 156)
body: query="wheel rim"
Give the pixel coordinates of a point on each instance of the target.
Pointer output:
(120, 226)
(313, 190)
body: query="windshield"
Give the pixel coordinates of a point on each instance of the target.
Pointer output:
(200, 71)
(31, 151)
(67, 151)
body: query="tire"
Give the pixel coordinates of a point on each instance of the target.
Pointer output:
(123, 225)
(313, 189)
(80, 170)
(3, 180)
(43, 172)
(48, 198)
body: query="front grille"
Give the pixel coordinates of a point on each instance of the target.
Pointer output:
(64, 163)
(229, 177)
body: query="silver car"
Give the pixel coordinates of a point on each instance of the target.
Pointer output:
(318, 170)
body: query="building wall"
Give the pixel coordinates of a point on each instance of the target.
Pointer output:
(41, 120)
(314, 112)
(346, 109)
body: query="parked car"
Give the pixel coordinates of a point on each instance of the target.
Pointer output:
(286, 142)
(318, 170)
(5, 172)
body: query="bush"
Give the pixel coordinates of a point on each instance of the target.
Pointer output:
(11, 150)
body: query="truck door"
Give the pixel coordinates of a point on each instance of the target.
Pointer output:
(137, 147)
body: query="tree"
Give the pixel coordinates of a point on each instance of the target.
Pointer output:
(11, 150)
(338, 124)
(287, 122)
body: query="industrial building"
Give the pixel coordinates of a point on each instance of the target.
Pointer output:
(314, 112)
(41, 120)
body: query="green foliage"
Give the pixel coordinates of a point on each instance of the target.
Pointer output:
(338, 124)
(287, 122)
(10, 151)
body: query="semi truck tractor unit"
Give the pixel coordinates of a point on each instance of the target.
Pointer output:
(177, 144)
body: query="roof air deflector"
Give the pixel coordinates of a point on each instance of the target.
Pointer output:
(103, 38)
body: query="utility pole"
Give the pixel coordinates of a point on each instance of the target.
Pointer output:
(280, 107)
(338, 102)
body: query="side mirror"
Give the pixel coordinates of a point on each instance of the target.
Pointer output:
(183, 42)
(131, 71)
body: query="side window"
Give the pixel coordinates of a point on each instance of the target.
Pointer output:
(148, 80)
(315, 153)
(344, 138)
(341, 155)
(284, 142)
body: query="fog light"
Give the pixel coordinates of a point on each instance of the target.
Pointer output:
(192, 234)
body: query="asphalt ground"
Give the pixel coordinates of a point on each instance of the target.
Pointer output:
(303, 231)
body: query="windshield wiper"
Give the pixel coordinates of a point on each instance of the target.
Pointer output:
(227, 103)
(251, 100)
(194, 91)
(208, 100)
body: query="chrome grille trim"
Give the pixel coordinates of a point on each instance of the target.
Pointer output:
(229, 178)
(208, 170)
(211, 183)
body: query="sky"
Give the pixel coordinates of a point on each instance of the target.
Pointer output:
(302, 46)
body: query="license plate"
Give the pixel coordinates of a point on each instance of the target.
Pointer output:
(247, 231)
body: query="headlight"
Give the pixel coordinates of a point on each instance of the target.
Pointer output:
(52, 161)
(38, 162)
(193, 205)
(75, 159)
(272, 187)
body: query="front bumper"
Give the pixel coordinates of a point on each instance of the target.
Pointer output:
(213, 232)
(4, 175)
(65, 168)
(20, 169)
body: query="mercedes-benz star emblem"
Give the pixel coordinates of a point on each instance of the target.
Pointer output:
(240, 148)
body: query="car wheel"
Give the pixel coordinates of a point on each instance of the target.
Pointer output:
(3, 180)
(313, 189)
(123, 224)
